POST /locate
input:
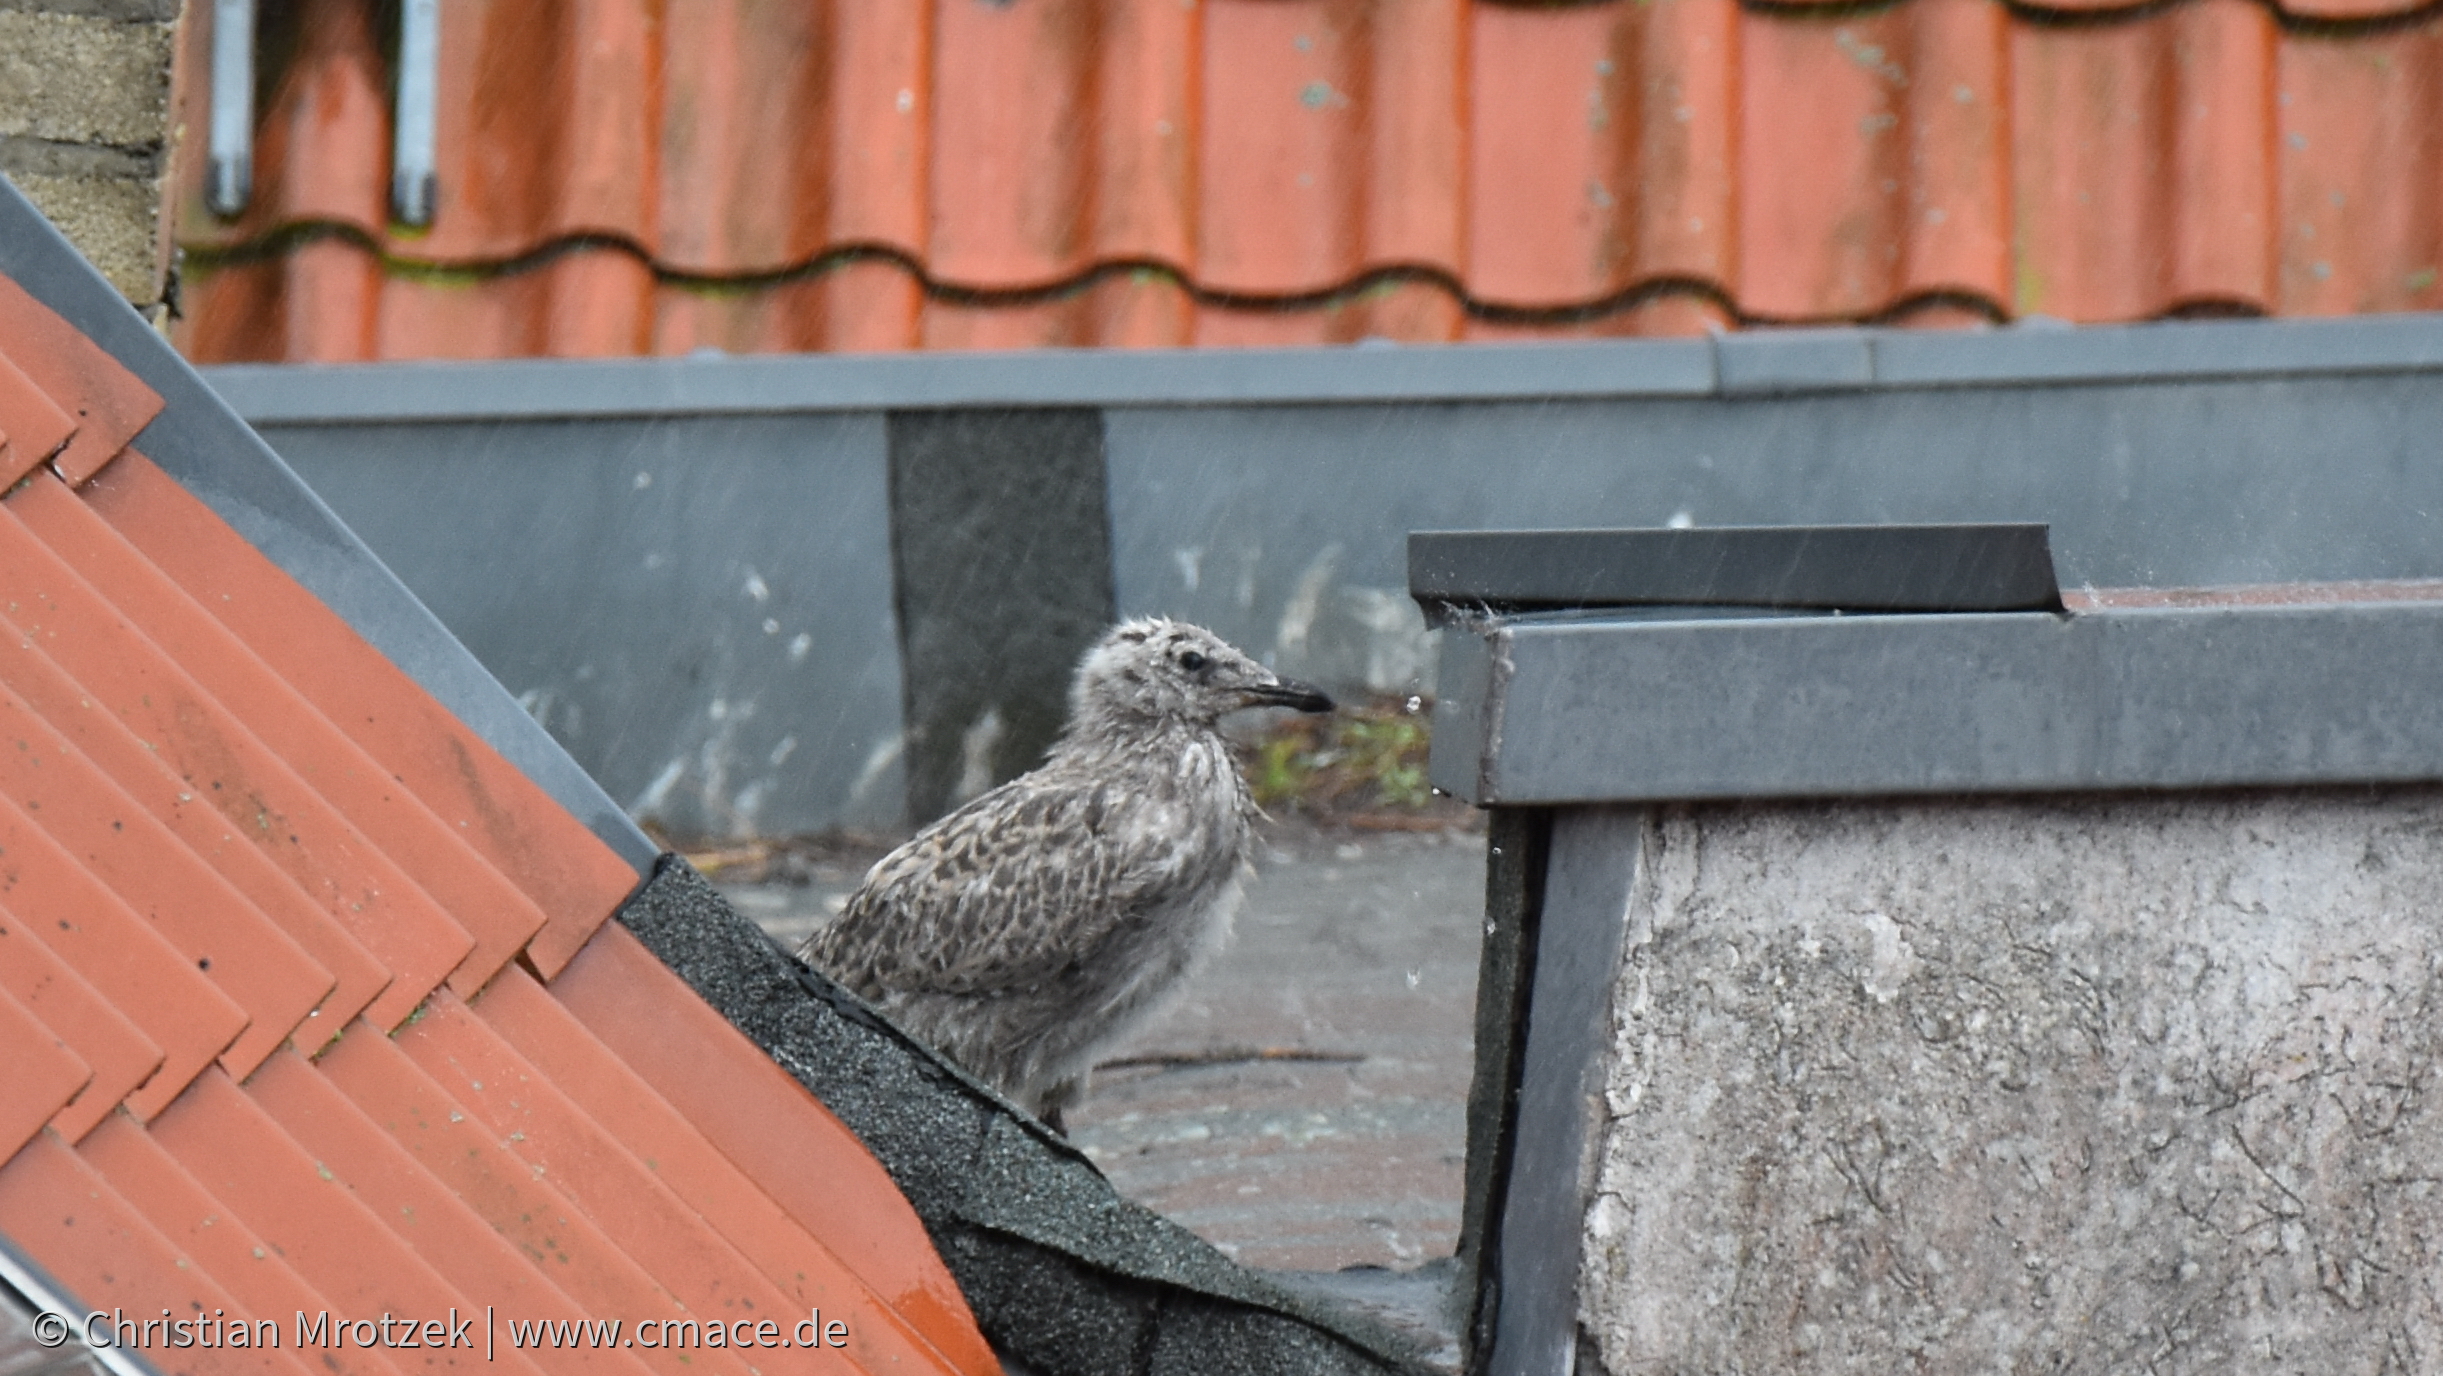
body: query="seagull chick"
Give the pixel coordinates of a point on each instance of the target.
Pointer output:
(1030, 929)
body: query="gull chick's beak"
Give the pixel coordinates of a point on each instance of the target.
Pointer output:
(1288, 692)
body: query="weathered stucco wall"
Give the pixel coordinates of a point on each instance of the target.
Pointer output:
(84, 127)
(2087, 1085)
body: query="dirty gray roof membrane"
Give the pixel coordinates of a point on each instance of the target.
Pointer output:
(1063, 1274)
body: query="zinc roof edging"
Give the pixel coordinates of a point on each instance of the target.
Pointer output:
(1745, 364)
(37, 1287)
(546, 389)
(216, 456)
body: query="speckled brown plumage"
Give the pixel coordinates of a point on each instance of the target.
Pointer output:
(1032, 927)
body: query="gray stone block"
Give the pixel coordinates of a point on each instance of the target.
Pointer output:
(84, 79)
(2066, 1085)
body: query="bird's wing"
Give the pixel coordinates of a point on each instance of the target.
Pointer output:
(1000, 895)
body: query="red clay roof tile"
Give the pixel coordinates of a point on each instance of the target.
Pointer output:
(117, 952)
(32, 427)
(1060, 172)
(806, 1272)
(120, 1056)
(57, 1207)
(304, 1209)
(257, 1278)
(44, 1074)
(137, 768)
(109, 403)
(514, 1261)
(579, 1157)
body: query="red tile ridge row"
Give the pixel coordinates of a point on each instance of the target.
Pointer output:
(389, 817)
(216, 757)
(575, 879)
(139, 771)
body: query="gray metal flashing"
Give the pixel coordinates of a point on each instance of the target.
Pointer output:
(1755, 363)
(1591, 870)
(1572, 709)
(200, 441)
(1890, 568)
(31, 1353)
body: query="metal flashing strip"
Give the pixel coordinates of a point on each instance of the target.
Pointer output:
(1562, 710)
(1589, 876)
(215, 456)
(1755, 363)
(36, 1288)
(1918, 568)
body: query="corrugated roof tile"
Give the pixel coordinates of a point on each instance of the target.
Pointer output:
(149, 929)
(1059, 173)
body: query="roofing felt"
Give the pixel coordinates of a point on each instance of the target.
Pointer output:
(281, 956)
(876, 175)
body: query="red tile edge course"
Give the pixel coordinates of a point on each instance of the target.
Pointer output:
(507, 818)
(393, 819)
(770, 1127)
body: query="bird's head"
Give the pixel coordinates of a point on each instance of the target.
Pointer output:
(1161, 670)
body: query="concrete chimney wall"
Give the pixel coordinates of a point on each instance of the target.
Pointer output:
(2103, 1083)
(85, 128)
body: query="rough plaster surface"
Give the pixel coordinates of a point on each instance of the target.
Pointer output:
(2098, 1085)
(84, 127)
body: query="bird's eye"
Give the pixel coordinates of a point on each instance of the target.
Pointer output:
(1191, 661)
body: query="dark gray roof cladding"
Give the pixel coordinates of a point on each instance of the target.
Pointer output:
(203, 444)
(1946, 568)
(1568, 707)
(1752, 363)
(1063, 1273)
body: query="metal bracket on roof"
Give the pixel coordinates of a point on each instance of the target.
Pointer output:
(230, 179)
(414, 187)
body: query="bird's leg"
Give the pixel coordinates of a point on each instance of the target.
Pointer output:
(1056, 1101)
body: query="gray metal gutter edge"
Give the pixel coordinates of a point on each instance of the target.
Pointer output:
(1754, 363)
(203, 443)
(19, 1272)
(2190, 697)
